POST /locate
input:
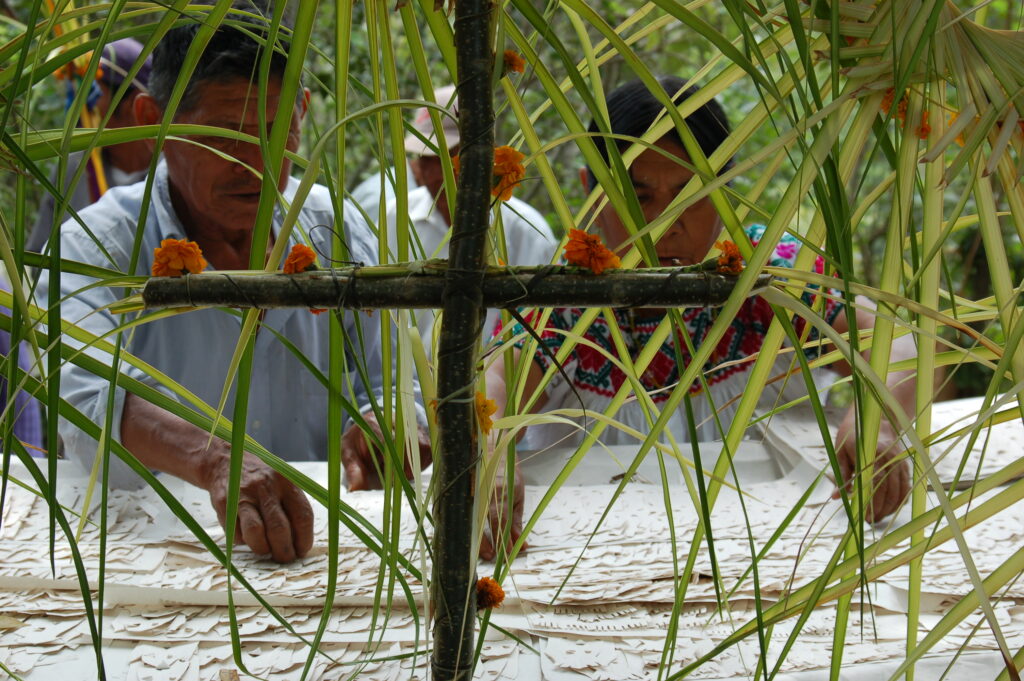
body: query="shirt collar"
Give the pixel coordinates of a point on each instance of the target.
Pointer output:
(168, 224)
(423, 207)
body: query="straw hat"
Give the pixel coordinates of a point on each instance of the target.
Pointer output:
(424, 127)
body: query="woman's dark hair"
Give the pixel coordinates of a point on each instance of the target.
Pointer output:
(234, 52)
(633, 109)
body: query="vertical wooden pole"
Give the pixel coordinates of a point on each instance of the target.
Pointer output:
(453, 589)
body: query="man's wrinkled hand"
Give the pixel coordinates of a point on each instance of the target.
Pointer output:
(274, 515)
(891, 482)
(498, 514)
(363, 460)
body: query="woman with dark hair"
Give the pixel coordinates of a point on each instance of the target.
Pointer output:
(658, 175)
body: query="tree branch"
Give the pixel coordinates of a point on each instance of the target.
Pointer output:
(391, 287)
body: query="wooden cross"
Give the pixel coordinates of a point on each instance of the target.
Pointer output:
(415, 285)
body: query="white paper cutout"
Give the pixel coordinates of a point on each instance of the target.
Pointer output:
(596, 601)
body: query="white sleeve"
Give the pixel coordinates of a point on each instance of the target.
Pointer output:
(85, 305)
(527, 234)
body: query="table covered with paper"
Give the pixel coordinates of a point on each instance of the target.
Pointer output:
(597, 595)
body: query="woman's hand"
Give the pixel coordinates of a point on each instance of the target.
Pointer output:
(498, 513)
(891, 482)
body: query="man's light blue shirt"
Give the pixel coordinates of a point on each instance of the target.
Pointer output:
(287, 411)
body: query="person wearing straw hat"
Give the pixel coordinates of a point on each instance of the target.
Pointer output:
(112, 166)
(528, 236)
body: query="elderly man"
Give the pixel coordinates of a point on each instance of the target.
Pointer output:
(211, 199)
(528, 237)
(114, 166)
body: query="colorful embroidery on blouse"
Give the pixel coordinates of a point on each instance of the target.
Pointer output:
(593, 372)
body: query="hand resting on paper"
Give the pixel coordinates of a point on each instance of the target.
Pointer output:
(274, 515)
(891, 479)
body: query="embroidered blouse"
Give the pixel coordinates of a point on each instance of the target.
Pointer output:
(596, 379)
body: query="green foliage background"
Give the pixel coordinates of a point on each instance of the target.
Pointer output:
(877, 255)
(674, 50)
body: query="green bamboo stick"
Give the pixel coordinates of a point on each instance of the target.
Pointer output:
(928, 295)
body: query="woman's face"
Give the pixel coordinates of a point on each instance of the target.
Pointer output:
(657, 181)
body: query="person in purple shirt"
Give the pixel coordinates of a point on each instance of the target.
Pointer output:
(28, 421)
(116, 165)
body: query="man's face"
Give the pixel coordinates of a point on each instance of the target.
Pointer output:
(221, 191)
(657, 181)
(428, 172)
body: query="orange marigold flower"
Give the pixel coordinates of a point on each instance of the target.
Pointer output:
(506, 183)
(924, 129)
(513, 62)
(901, 106)
(887, 100)
(485, 408)
(587, 250)
(508, 168)
(300, 259)
(175, 257)
(901, 110)
(507, 160)
(730, 262)
(489, 593)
